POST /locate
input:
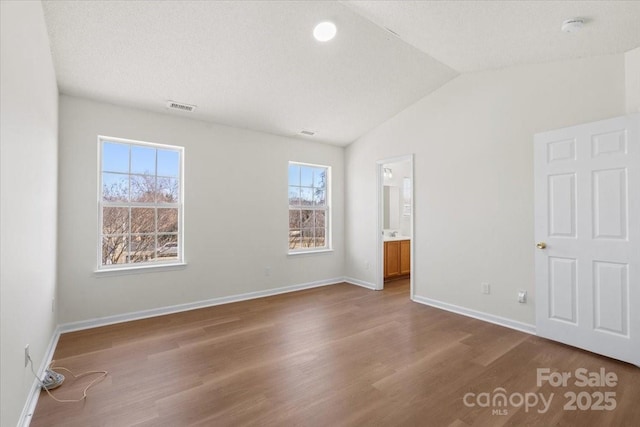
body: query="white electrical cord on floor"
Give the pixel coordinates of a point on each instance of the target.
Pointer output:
(103, 375)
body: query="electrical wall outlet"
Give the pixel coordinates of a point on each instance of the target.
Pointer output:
(522, 297)
(366, 265)
(485, 288)
(26, 355)
(267, 271)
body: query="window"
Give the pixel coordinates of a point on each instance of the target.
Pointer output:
(406, 195)
(140, 204)
(309, 197)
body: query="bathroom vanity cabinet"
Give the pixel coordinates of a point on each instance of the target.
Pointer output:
(397, 259)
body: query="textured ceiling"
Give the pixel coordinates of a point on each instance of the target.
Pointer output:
(248, 64)
(481, 35)
(255, 64)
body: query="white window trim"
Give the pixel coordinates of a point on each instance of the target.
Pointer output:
(139, 268)
(142, 266)
(309, 251)
(328, 222)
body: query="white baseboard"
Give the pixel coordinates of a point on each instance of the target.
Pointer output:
(359, 282)
(34, 393)
(498, 320)
(144, 314)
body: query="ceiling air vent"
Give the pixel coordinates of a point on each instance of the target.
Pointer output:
(392, 32)
(307, 132)
(181, 107)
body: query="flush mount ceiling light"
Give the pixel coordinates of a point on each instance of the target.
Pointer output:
(325, 31)
(572, 25)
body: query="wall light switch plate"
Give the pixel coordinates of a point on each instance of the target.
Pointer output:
(522, 297)
(485, 288)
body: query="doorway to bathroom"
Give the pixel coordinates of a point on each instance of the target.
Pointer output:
(395, 222)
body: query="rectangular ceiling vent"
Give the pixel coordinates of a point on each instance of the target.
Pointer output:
(179, 106)
(307, 132)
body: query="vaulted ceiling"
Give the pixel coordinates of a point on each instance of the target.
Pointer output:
(256, 65)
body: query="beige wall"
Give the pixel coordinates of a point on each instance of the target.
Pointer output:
(28, 135)
(236, 212)
(632, 76)
(473, 146)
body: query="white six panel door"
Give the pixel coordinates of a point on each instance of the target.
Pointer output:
(587, 213)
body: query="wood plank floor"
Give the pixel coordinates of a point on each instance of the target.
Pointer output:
(337, 355)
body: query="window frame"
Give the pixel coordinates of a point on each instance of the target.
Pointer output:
(157, 262)
(328, 247)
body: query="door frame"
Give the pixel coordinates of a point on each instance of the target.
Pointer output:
(379, 284)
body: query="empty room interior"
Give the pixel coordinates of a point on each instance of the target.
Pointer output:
(318, 213)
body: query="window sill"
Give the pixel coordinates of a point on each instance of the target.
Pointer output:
(310, 252)
(139, 269)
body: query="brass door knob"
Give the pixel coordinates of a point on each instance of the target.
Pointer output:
(541, 245)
